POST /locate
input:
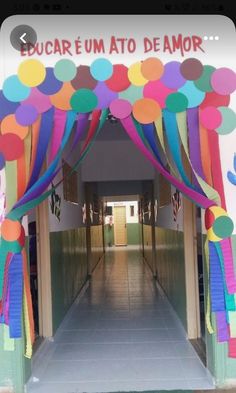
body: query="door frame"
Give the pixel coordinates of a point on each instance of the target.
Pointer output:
(124, 207)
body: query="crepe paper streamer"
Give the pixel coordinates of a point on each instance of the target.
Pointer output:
(176, 102)
(148, 130)
(61, 99)
(213, 141)
(27, 297)
(38, 100)
(119, 80)
(11, 184)
(173, 143)
(92, 129)
(194, 142)
(204, 82)
(27, 155)
(44, 137)
(65, 70)
(6, 107)
(146, 110)
(16, 288)
(228, 265)
(152, 68)
(104, 95)
(193, 95)
(10, 230)
(228, 123)
(205, 155)
(172, 76)
(10, 125)
(232, 348)
(8, 343)
(58, 124)
(216, 280)
(83, 101)
(14, 90)
(4, 308)
(223, 81)
(82, 123)
(157, 91)
(222, 327)
(35, 129)
(183, 133)
(120, 108)
(50, 85)
(11, 146)
(2, 161)
(132, 94)
(135, 74)
(215, 99)
(200, 200)
(191, 69)
(232, 323)
(210, 117)
(21, 175)
(28, 343)
(31, 72)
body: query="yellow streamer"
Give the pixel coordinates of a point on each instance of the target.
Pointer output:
(208, 310)
(28, 344)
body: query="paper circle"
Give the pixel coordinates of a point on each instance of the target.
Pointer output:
(65, 70)
(40, 101)
(11, 146)
(13, 246)
(194, 96)
(228, 120)
(176, 102)
(104, 95)
(61, 99)
(210, 117)
(146, 110)
(26, 115)
(10, 125)
(135, 74)
(209, 218)
(204, 82)
(120, 108)
(212, 236)
(2, 161)
(119, 80)
(51, 84)
(223, 81)
(83, 79)
(101, 69)
(83, 101)
(191, 69)
(31, 72)
(218, 211)
(10, 230)
(172, 76)
(14, 90)
(6, 107)
(223, 227)
(152, 69)
(157, 91)
(132, 94)
(214, 99)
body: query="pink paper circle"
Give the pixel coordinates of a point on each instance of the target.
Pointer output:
(157, 91)
(223, 81)
(210, 117)
(120, 108)
(39, 100)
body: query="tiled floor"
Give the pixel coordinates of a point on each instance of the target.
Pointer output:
(121, 336)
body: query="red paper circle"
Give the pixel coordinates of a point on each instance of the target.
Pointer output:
(119, 80)
(11, 146)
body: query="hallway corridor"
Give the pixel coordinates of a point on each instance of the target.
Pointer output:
(122, 335)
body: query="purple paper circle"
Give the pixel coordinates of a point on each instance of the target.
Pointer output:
(2, 161)
(120, 108)
(223, 81)
(104, 94)
(6, 107)
(51, 85)
(26, 115)
(172, 76)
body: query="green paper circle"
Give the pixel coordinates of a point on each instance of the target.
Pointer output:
(176, 102)
(228, 123)
(132, 94)
(223, 227)
(83, 101)
(65, 70)
(204, 82)
(13, 247)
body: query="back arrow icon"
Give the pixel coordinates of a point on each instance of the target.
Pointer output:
(22, 38)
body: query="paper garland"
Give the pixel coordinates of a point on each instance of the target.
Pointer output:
(39, 108)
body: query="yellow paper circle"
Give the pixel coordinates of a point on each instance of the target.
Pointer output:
(31, 72)
(135, 75)
(212, 237)
(218, 211)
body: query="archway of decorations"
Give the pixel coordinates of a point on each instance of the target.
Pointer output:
(165, 110)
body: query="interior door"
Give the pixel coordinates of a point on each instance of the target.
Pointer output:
(120, 230)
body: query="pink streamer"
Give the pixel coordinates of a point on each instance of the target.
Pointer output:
(57, 133)
(228, 265)
(193, 195)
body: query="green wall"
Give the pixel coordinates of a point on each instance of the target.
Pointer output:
(147, 245)
(96, 245)
(133, 236)
(68, 269)
(171, 269)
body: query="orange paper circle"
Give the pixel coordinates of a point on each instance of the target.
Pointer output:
(9, 125)
(146, 110)
(61, 99)
(10, 230)
(152, 69)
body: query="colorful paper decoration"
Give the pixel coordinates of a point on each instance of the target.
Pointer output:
(166, 109)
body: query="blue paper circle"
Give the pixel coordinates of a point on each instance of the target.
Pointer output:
(6, 107)
(193, 94)
(101, 69)
(50, 85)
(14, 90)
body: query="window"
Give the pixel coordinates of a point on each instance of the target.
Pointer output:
(132, 211)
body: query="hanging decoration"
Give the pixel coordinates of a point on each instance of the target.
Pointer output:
(166, 109)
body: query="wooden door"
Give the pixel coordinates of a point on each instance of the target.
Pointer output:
(120, 230)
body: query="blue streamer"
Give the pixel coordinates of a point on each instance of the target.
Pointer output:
(149, 134)
(15, 299)
(216, 280)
